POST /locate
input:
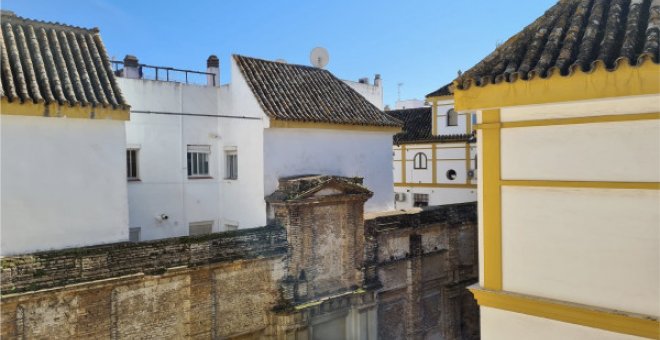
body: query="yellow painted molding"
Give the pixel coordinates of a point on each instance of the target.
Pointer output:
(275, 123)
(16, 108)
(467, 163)
(404, 158)
(492, 202)
(437, 185)
(434, 165)
(589, 316)
(575, 120)
(583, 184)
(434, 123)
(468, 124)
(626, 80)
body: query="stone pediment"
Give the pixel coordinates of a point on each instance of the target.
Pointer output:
(318, 187)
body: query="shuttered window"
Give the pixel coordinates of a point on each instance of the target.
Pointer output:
(231, 164)
(132, 164)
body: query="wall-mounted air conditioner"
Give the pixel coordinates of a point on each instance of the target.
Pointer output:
(400, 197)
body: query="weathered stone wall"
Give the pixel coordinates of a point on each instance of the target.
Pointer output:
(424, 262)
(400, 276)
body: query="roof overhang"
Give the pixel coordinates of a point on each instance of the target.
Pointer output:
(17, 108)
(625, 80)
(289, 124)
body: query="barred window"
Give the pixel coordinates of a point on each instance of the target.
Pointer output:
(420, 200)
(198, 160)
(200, 228)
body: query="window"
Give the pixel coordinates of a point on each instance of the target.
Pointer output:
(452, 118)
(420, 161)
(451, 174)
(200, 228)
(132, 164)
(231, 164)
(198, 161)
(230, 227)
(421, 200)
(134, 234)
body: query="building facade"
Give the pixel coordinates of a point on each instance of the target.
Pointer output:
(568, 137)
(435, 155)
(205, 156)
(63, 139)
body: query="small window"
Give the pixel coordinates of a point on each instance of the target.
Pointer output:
(421, 200)
(451, 174)
(134, 234)
(420, 161)
(198, 161)
(452, 118)
(231, 160)
(132, 164)
(200, 228)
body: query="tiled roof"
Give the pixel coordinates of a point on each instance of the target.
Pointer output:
(307, 94)
(305, 186)
(573, 36)
(418, 127)
(443, 91)
(46, 62)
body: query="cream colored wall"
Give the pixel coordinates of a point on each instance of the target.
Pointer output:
(597, 247)
(498, 324)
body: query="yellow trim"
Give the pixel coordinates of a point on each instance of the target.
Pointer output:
(403, 163)
(436, 185)
(610, 320)
(434, 114)
(275, 123)
(440, 159)
(492, 203)
(468, 124)
(434, 159)
(16, 108)
(583, 184)
(576, 120)
(467, 163)
(626, 80)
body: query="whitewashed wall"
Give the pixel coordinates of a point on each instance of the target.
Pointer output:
(289, 152)
(443, 106)
(63, 183)
(373, 93)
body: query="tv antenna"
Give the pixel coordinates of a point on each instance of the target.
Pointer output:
(398, 90)
(319, 57)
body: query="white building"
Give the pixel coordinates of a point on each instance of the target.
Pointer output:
(569, 197)
(203, 157)
(434, 156)
(63, 140)
(409, 104)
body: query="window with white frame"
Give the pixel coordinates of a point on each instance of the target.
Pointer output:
(231, 164)
(452, 118)
(200, 228)
(132, 164)
(420, 161)
(198, 161)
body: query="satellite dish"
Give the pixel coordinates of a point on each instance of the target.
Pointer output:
(280, 61)
(319, 57)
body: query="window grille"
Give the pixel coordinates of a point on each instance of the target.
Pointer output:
(200, 228)
(132, 164)
(421, 200)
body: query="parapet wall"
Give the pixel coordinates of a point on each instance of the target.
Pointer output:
(61, 267)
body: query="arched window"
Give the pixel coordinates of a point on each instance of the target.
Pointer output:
(420, 161)
(452, 118)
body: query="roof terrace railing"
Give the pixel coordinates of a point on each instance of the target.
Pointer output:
(163, 73)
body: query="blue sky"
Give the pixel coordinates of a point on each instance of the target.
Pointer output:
(421, 44)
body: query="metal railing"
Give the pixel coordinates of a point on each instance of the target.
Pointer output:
(163, 73)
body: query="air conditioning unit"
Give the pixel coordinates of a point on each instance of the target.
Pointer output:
(400, 197)
(472, 174)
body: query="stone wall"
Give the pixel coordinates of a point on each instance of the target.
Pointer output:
(396, 276)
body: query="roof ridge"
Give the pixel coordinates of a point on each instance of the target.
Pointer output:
(12, 18)
(235, 55)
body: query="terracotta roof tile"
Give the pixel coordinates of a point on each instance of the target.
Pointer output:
(46, 62)
(418, 127)
(308, 94)
(574, 35)
(443, 91)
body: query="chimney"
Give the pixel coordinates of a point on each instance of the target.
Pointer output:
(131, 67)
(377, 80)
(213, 66)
